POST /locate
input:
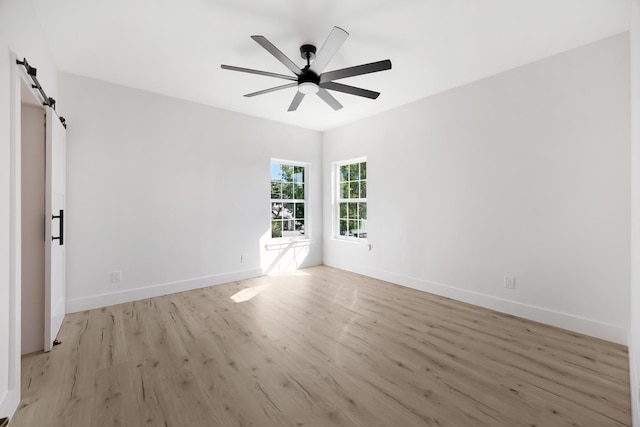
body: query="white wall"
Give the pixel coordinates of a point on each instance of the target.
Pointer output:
(634, 338)
(525, 173)
(18, 34)
(171, 193)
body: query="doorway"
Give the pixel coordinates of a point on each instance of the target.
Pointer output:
(32, 220)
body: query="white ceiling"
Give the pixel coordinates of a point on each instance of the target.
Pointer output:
(175, 47)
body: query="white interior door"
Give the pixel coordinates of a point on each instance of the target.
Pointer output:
(55, 190)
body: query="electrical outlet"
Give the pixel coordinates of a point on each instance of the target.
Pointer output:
(243, 258)
(116, 276)
(509, 282)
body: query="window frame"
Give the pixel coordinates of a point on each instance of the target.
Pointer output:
(336, 199)
(306, 218)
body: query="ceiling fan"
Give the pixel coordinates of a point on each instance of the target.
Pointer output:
(311, 79)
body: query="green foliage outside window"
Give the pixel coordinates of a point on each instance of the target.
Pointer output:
(287, 200)
(352, 200)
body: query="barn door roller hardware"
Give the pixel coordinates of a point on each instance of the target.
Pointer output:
(46, 100)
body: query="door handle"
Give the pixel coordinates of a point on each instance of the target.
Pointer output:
(60, 217)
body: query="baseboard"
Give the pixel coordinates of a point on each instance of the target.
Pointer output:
(634, 365)
(9, 403)
(635, 401)
(570, 322)
(128, 295)
(310, 262)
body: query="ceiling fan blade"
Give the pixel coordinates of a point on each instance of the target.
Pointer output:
(273, 89)
(355, 71)
(329, 99)
(329, 49)
(262, 41)
(262, 73)
(296, 101)
(352, 90)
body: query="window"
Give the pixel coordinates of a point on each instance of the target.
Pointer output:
(288, 199)
(352, 199)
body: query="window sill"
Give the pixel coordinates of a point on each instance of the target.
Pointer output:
(278, 244)
(360, 242)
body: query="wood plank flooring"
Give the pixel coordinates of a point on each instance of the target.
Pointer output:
(319, 347)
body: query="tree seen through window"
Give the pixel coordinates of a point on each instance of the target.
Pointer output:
(352, 200)
(287, 200)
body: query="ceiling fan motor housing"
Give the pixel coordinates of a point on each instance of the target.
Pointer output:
(308, 76)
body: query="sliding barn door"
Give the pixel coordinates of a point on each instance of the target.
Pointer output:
(55, 190)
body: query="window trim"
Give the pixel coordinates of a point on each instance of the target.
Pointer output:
(335, 201)
(307, 198)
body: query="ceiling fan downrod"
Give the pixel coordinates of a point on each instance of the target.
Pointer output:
(308, 52)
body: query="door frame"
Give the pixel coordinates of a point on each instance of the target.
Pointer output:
(9, 402)
(12, 399)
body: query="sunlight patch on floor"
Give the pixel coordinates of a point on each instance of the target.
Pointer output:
(248, 293)
(300, 272)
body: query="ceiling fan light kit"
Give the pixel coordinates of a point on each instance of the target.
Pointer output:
(308, 88)
(311, 79)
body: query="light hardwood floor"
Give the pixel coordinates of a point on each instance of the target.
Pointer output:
(321, 347)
